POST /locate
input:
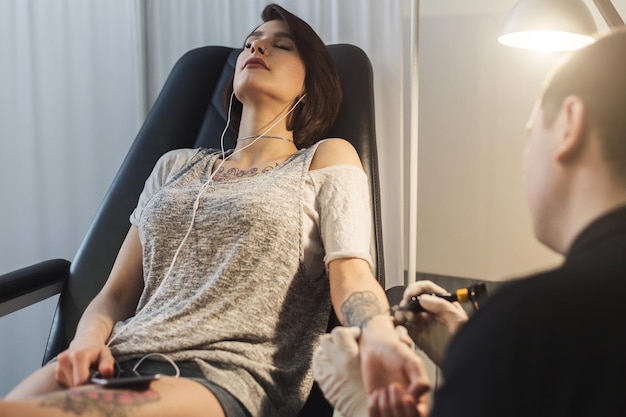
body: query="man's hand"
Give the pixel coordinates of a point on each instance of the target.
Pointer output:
(337, 370)
(431, 330)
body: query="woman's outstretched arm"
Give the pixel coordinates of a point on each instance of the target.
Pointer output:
(359, 300)
(88, 350)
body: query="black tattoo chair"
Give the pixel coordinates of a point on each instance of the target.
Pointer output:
(188, 113)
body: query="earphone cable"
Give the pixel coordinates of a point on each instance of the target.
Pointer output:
(196, 203)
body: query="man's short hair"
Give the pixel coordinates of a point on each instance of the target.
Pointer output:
(596, 74)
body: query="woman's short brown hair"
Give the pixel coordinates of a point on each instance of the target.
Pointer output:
(315, 114)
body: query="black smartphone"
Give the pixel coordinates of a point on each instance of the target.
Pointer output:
(137, 382)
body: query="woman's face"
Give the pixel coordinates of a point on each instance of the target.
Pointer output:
(269, 65)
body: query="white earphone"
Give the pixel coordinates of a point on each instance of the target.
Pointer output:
(204, 187)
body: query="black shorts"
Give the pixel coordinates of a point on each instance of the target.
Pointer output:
(190, 370)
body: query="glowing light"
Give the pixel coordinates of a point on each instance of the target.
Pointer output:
(546, 40)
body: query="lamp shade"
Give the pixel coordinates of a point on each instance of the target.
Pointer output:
(548, 25)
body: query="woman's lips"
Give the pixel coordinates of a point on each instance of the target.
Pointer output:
(255, 63)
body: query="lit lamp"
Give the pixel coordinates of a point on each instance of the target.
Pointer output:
(554, 25)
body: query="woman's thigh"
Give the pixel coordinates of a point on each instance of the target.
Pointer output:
(165, 397)
(39, 382)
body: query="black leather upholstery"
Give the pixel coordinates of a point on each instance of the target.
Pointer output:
(189, 113)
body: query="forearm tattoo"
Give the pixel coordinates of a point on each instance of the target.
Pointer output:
(107, 403)
(360, 307)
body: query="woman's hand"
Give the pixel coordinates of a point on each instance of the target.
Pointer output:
(395, 401)
(74, 365)
(384, 357)
(115, 302)
(431, 330)
(337, 369)
(387, 360)
(398, 382)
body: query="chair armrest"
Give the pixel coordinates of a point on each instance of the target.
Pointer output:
(32, 284)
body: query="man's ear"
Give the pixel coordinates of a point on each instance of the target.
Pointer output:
(573, 124)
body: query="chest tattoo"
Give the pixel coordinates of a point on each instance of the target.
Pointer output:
(223, 174)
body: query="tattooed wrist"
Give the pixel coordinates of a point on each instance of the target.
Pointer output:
(360, 307)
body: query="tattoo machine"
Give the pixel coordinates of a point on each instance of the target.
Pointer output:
(462, 295)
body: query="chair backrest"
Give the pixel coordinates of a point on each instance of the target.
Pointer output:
(189, 113)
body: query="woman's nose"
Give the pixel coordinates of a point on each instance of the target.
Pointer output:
(258, 45)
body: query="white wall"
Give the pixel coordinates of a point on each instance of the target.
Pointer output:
(475, 98)
(69, 110)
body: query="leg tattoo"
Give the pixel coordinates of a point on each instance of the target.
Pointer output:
(360, 307)
(109, 403)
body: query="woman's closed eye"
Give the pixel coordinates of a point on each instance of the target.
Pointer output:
(279, 45)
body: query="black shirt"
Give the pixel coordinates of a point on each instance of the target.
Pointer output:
(553, 344)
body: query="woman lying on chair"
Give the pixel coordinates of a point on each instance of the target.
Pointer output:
(219, 285)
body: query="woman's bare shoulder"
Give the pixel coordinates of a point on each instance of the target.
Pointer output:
(335, 151)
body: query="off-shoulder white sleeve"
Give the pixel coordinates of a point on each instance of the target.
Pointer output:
(168, 165)
(343, 205)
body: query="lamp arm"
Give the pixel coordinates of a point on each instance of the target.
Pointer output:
(609, 13)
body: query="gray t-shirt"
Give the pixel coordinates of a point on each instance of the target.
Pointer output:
(247, 297)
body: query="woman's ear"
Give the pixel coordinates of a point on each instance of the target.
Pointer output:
(573, 128)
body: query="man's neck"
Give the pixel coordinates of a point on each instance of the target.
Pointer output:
(588, 203)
